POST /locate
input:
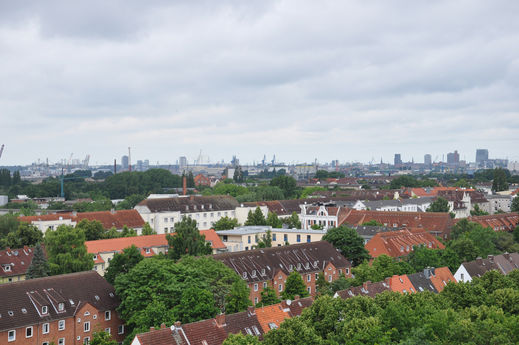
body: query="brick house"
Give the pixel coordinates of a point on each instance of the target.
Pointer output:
(65, 309)
(401, 242)
(271, 266)
(497, 222)
(14, 264)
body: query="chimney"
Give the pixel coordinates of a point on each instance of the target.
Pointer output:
(427, 272)
(220, 320)
(507, 256)
(184, 185)
(115, 166)
(177, 324)
(192, 197)
(162, 325)
(365, 285)
(251, 310)
(152, 329)
(112, 211)
(491, 258)
(479, 260)
(296, 297)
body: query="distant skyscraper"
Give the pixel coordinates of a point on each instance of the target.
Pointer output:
(124, 162)
(481, 156)
(182, 162)
(398, 159)
(453, 157)
(427, 160)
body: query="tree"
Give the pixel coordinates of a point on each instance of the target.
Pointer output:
(122, 263)
(439, 205)
(293, 221)
(187, 240)
(195, 304)
(26, 235)
(256, 217)
(287, 184)
(66, 250)
(499, 181)
(349, 243)
(322, 286)
(238, 175)
(422, 257)
(516, 234)
(226, 223)
(294, 286)
(93, 229)
(190, 180)
(147, 230)
(238, 298)
(515, 204)
(8, 223)
(265, 241)
(130, 202)
(268, 297)
(102, 338)
(477, 211)
(39, 267)
(274, 221)
(372, 222)
(241, 339)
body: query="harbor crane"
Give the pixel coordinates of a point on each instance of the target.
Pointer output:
(1, 150)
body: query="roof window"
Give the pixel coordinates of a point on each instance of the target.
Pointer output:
(111, 294)
(44, 310)
(24, 310)
(61, 306)
(10, 312)
(96, 297)
(244, 275)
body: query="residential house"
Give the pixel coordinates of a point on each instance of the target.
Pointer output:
(163, 213)
(500, 203)
(422, 281)
(202, 180)
(368, 231)
(400, 284)
(405, 205)
(401, 242)
(368, 289)
(271, 266)
(64, 309)
(248, 237)
(497, 222)
(109, 219)
(14, 264)
(440, 277)
(104, 250)
(503, 263)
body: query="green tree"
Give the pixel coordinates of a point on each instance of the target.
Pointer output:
(265, 241)
(238, 298)
(515, 204)
(499, 181)
(93, 229)
(225, 223)
(122, 263)
(287, 184)
(322, 286)
(102, 338)
(372, 222)
(268, 297)
(130, 202)
(439, 205)
(464, 248)
(241, 339)
(294, 286)
(8, 223)
(349, 243)
(477, 211)
(39, 267)
(293, 332)
(293, 221)
(422, 257)
(147, 230)
(195, 304)
(274, 221)
(256, 217)
(516, 234)
(66, 250)
(187, 240)
(238, 175)
(26, 235)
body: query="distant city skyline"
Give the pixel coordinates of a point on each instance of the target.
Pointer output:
(345, 80)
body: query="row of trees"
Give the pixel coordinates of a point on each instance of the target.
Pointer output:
(484, 311)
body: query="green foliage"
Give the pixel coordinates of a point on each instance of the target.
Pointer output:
(372, 222)
(66, 250)
(499, 180)
(294, 286)
(515, 204)
(293, 332)
(439, 205)
(349, 243)
(39, 267)
(268, 297)
(227, 189)
(382, 266)
(274, 221)
(308, 191)
(130, 202)
(265, 241)
(411, 181)
(238, 175)
(8, 223)
(323, 174)
(287, 184)
(293, 221)
(187, 240)
(256, 218)
(147, 230)
(93, 229)
(102, 338)
(477, 211)
(158, 291)
(238, 298)
(240, 339)
(25, 235)
(225, 223)
(122, 263)
(516, 234)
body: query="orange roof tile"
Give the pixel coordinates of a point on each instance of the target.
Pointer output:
(442, 276)
(400, 243)
(400, 284)
(213, 238)
(271, 314)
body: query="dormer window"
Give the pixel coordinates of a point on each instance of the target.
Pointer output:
(95, 257)
(253, 273)
(61, 306)
(263, 272)
(44, 310)
(148, 250)
(290, 268)
(244, 275)
(96, 297)
(7, 268)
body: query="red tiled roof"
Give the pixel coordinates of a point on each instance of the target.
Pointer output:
(272, 314)
(421, 192)
(503, 221)
(400, 284)
(399, 243)
(18, 261)
(440, 278)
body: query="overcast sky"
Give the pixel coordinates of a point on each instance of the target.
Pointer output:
(346, 80)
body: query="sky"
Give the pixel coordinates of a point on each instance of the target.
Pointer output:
(304, 80)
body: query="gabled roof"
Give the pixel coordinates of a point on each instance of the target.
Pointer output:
(148, 241)
(271, 316)
(400, 284)
(502, 221)
(507, 262)
(422, 281)
(366, 289)
(401, 242)
(18, 300)
(441, 277)
(479, 267)
(190, 204)
(15, 262)
(262, 264)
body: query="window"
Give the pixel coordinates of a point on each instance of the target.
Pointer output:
(120, 329)
(61, 306)
(61, 341)
(95, 257)
(61, 325)
(86, 340)
(255, 300)
(86, 326)
(44, 309)
(148, 250)
(11, 335)
(256, 287)
(108, 315)
(273, 237)
(316, 276)
(308, 278)
(308, 238)
(347, 270)
(264, 285)
(248, 239)
(330, 278)
(45, 343)
(280, 287)
(108, 330)
(309, 289)
(28, 332)
(285, 237)
(165, 220)
(45, 328)
(298, 238)
(462, 276)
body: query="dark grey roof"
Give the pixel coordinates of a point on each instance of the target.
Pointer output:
(366, 289)
(261, 264)
(422, 281)
(479, 267)
(21, 302)
(191, 204)
(371, 230)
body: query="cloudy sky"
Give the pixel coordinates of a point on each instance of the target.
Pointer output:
(347, 80)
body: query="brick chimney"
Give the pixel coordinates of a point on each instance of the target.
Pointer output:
(479, 260)
(220, 320)
(251, 310)
(177, 324)
(365, 285)
(491, 258)
(296, 297)
(152, 329)
(184, 185)
(162, 325)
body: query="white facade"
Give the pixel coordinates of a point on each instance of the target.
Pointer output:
(242, 212)
(462, 275)
(320, 217)
(500, 203)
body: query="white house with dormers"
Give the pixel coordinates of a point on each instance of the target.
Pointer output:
(322, 215)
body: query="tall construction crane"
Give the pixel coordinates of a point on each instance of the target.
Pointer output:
(1, 150)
